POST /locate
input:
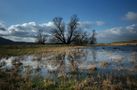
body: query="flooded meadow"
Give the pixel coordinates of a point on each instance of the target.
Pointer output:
(86, 68)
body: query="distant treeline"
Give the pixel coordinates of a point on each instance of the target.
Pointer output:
(130, 41)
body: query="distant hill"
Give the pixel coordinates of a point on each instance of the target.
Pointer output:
(4, 41)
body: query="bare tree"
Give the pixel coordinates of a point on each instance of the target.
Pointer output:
(93, 38)
(59, 31)
(82, 39)
(41, 37)
(72, 29)
(63, 35)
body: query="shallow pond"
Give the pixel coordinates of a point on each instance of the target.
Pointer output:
(81, 68)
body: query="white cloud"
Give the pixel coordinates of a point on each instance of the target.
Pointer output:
(118, 33)
(3, 29)
(85, 25)
(20, 39)
(20, 32)
(131, 16)
(88, 25)
(28, 31)
(49, 24)
(100, 23)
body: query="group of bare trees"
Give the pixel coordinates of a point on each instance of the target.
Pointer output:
(67, 34)
(41, 38)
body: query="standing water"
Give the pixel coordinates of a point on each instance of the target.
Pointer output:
(107, 68)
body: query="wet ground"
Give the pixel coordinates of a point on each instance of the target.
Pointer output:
(92, 68)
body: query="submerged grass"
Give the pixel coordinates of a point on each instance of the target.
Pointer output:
(74, 80)
(15, 50)
(13, 81)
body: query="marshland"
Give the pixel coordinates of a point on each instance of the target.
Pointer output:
(69, 68)
(68, 44)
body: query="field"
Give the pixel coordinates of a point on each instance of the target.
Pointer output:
(15, 50)
(63, 67)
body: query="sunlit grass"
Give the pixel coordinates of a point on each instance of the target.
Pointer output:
(16, 50)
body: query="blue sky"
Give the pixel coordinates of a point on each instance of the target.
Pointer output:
(102, 15)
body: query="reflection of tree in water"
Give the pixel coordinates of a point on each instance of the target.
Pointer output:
(74, 64)
(67, 64)
(61, 68)
(94, 54)
(74, 73)
(64, 69)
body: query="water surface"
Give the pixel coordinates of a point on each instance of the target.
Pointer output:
(92, 64)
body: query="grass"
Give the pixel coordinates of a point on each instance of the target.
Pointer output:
(12, 80)
(16, 50)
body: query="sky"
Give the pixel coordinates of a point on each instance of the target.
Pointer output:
(113, 20)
